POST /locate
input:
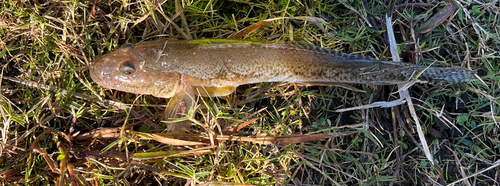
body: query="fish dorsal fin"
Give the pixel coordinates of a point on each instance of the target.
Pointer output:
(309, 47)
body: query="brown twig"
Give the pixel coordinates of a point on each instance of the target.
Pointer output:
(396, 145)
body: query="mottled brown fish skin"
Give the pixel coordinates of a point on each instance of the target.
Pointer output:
(163, 68)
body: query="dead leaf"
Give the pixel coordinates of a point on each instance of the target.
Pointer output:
(247, 30)
(437, 19)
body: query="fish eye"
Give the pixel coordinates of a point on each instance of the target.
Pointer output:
(126, 48)
(127, 68)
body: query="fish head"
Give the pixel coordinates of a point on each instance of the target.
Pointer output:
(125, 70)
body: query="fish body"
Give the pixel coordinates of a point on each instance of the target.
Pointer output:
(215, 67)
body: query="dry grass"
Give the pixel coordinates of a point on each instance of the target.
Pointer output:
(55, 137)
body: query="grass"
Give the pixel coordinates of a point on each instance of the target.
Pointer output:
(44, 133)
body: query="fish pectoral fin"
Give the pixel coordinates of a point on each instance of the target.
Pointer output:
(214, 91)
(179, 106)
(185, 97)
(346, 86)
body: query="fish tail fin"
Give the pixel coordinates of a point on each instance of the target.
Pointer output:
(448, 75)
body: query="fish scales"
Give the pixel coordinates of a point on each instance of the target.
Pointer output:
(221, 64)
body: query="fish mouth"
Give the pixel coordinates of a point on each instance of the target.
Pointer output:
(94, 74)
